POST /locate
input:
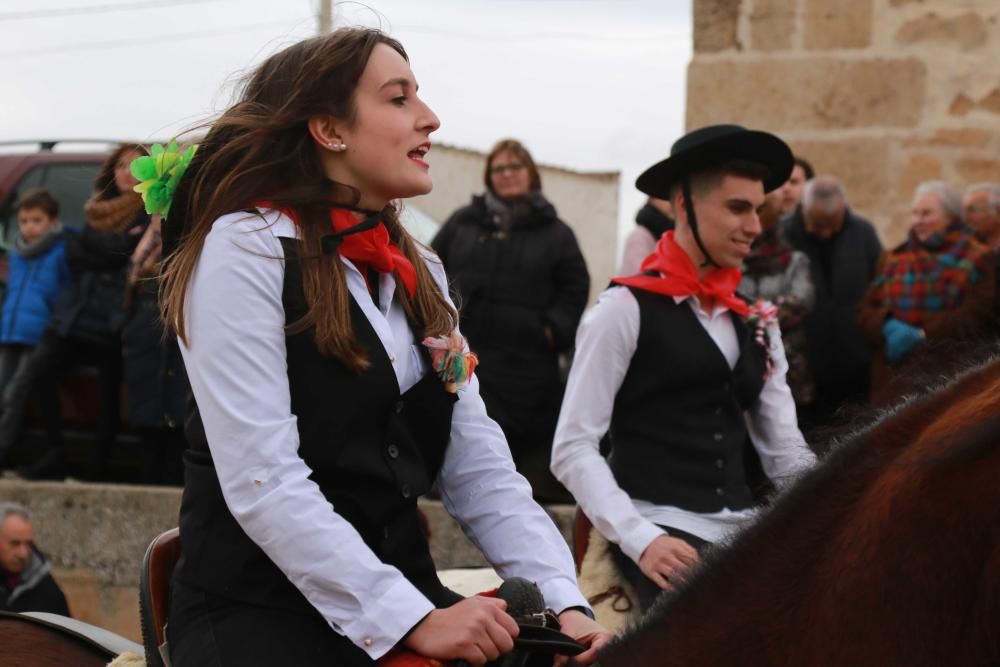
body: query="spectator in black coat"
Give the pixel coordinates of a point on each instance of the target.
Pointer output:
(87, 320)
(155, 381)
(522, 284)
(25, 581)
(843, 251)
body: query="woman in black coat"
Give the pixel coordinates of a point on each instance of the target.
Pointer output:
(521, 283)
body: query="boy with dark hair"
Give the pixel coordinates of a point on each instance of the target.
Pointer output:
(685, 376)
(38, 275)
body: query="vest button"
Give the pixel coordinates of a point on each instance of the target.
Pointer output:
(392, 451)
(398, 406)
(726, 387)
(718, 411)
(720, 492)
(405, 490)
(720, 464)
(717, 437)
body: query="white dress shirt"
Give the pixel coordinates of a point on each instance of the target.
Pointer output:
(605, 343)
(237, 365)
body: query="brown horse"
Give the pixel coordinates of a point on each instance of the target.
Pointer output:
(887, 554)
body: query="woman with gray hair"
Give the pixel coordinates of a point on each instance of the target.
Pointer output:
(936, 287)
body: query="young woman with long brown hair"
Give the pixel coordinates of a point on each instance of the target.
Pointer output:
(301, 304)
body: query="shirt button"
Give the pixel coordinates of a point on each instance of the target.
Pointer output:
(720, 492)
(405, 490)
(368, 641)
(392, 451)
(717, 437)
(392, 358)
(720, 464)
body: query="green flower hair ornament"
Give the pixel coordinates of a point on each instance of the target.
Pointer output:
(159, 173)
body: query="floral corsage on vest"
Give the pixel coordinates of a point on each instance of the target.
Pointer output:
(451, 360)
(762, 315)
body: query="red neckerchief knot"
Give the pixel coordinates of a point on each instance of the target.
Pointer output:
(371, 248)
(678, 276)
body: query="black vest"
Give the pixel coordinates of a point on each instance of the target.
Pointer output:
(372, 452)
(677, 431)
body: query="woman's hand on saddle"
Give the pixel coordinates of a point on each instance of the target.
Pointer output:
(585, 630)
(476, 630)
(667, 559)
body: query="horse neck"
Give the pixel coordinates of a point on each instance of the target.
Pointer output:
(761, 580)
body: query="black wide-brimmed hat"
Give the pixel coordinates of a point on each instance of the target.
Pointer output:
(713, 145)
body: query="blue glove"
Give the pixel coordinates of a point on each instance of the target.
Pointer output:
(900, 338)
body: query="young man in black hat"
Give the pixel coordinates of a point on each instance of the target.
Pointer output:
(682, 373)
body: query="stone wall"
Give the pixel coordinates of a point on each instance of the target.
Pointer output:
(882, 93)
(95, 535)
(587, 202)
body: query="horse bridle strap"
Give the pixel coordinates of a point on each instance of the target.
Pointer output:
(539, 639)
(693, 222)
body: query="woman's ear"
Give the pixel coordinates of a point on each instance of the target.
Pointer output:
(324, 132)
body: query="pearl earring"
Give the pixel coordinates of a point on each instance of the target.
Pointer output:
(338, 147)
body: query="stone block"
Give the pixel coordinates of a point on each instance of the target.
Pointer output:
(978, 170)
(811, 93)
(715, 25)
(964, 137)
(991, 102)
(961, 105)
(840, 24)
(916, 170)
(862, 164)
(967, 31)
(114, 608)
(772, 25)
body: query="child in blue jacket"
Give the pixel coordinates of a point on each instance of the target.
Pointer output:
(38, 274)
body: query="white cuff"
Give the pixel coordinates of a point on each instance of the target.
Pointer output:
(561, 594)
(633, 544)
(388, 617)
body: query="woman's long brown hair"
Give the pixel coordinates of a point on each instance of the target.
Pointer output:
(261, 150)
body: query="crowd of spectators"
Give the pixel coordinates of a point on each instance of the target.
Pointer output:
(859, 323)
(88, 298)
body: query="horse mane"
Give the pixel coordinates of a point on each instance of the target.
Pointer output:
(957, 420)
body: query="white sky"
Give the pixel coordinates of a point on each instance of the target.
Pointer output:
(586, 84)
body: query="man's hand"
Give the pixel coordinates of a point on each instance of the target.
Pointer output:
(667, 559)
(585, 630)
(476, 630)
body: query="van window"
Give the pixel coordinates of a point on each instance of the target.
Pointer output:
(70, 183)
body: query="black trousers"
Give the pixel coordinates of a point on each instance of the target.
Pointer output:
(40, 372)
(646, 588)
(209, 631)
(17, 385)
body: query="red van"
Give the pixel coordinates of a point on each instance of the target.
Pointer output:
(67, 168)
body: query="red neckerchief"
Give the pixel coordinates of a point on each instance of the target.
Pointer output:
(678, 276)
(371, 248)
